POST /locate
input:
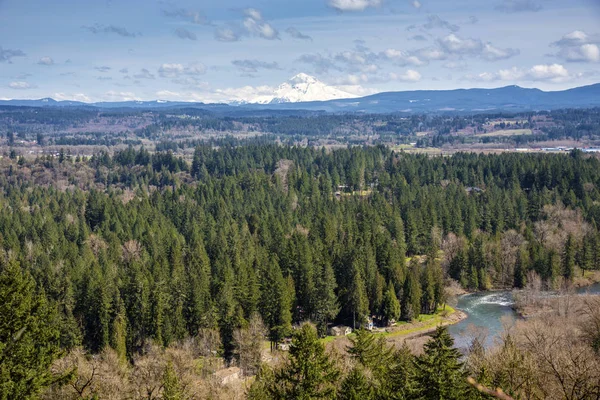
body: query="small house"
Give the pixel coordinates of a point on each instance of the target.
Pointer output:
(340, 330)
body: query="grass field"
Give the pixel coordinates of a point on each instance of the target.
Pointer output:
(506, 132)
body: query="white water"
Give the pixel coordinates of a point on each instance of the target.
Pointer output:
(487, 311)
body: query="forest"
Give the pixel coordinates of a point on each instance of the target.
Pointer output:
(181, 129)
(122, 255)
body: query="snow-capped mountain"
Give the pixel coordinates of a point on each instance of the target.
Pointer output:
(300, 88)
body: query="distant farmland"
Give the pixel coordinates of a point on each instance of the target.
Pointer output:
(506, 132)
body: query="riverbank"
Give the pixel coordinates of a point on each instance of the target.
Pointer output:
(589, 278)
(414, 334)
(530, 304)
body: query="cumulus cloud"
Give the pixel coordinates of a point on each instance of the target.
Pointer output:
(578, 46)
(223, 34)
(71, 96)
(453, 44)
(416, 4)
(20, 85)
(182, 33)
(144, 74)
(46, 61)
(118, 30)
(434, 21)
(515, 6)
(112, 95)
(356, 80)
(401, 58)
(353, 5)
(407, 76)
(296, 34)
(102, 68)
(321, 64)
(418, 38)
(178, 70)
(491, 53)
(6, 55)
(255, 25)
(544, 72)
(357, 60)
(250, 66)
(194, 17)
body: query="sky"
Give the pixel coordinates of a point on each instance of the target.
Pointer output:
(212, 51)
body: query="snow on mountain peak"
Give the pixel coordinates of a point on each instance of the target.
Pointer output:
(300, 88)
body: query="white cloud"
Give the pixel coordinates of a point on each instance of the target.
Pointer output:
(144, 74)
(254, 65)
(358, 79)
(409, 75)
(46, 61)
(515, 6)
(416, 4)
(112, 95)
(20, 85)
(353, 5)
(555, 73)
(255, 25)
(551, 72)
(180, 96)
(195, 17)
(6, 55)
(457, 45)
(454, 45)
(434, 21)
(296, 34)
(73, 96)
(492, 53)
(401, 58)
(578, 46)
(226, 35)
(177, 70)
(432, 54)
(182, 33)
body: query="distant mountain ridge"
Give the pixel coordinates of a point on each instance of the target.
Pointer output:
(509, 98)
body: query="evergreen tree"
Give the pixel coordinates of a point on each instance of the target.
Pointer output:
(521, 267)
(439, 373)
(568, 263)
(29, 336)
(171, 387)
(356, 386)
(326, 304)
(411, 294)
(358, 303)
(391, 305)
(309, 373)
(275, 302)
(370, 351)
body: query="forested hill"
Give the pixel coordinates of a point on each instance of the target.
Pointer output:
(143, 247)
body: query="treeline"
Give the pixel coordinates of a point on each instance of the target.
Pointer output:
(139, 247)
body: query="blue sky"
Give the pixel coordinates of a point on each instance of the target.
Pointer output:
(110, 50)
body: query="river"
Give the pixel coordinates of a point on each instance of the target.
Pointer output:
(487, 311)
